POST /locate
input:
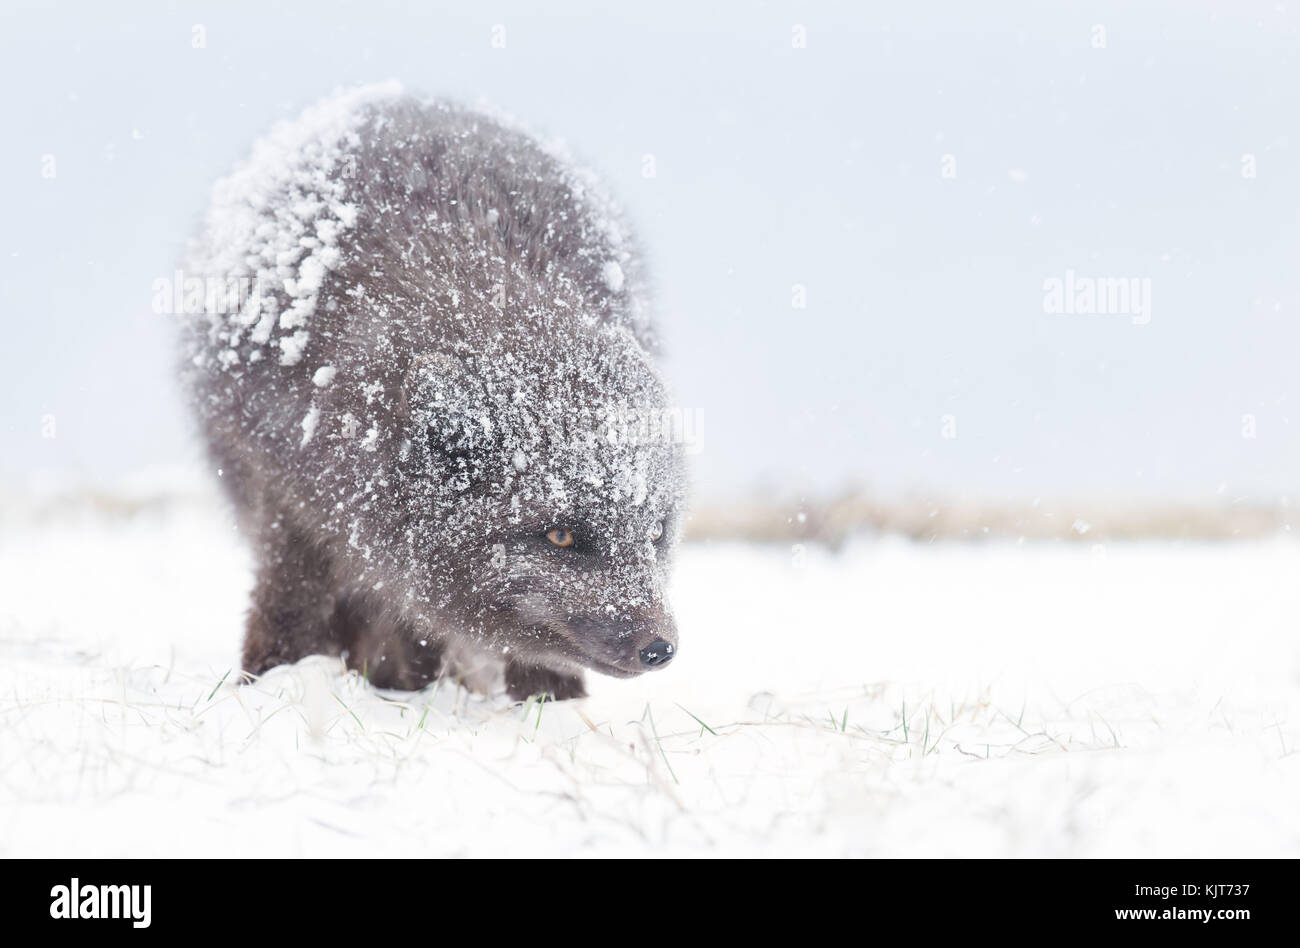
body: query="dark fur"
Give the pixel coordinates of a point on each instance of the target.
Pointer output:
(363, 550)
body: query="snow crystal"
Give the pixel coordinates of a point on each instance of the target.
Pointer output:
(291, 347)
(324, 376)
(309, 423)
(612, 273)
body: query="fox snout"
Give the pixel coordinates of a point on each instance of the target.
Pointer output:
(625, 648)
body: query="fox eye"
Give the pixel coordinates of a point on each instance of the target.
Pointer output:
(560, 537)
(657, 531)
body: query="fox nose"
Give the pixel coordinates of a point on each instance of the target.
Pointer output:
(657, 653)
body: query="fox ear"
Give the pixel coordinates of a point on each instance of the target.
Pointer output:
(449, 403)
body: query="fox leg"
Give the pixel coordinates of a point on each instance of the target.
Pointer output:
(292, 602)
(387, 652)
(525, 681)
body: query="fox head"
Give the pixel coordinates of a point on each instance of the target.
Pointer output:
(546, 476)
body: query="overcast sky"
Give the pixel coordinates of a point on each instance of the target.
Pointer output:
(917, 174)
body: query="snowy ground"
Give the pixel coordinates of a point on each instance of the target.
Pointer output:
(895, 699)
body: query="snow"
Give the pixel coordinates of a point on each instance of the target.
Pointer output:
(896, 699)
(278, 217)
(309, 423)
(612, 274)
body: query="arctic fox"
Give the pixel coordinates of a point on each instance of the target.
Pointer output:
(438, 412)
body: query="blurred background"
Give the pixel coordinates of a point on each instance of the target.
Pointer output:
(853, 212)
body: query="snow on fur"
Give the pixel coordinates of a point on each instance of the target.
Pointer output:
(465, 358)
(278, 219)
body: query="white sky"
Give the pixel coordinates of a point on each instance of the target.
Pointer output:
(775, 166)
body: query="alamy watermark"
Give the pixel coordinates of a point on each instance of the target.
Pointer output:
(1098, 296)
(680, 426)
(102, 901)
(184, 294)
